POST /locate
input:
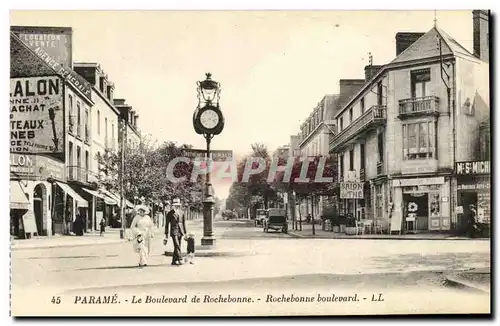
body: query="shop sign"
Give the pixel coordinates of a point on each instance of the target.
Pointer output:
(417, 182)
(459, 209)
(36, 166)
(474, 186)
(351, 190)
(36, 115)
(472, 167)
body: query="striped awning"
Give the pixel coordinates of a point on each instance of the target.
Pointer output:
(94, 193)
(18, 198)
(80, 202)
(117, 199)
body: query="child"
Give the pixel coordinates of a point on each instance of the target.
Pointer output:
(103, 226)
(190, 248)
(140, 248)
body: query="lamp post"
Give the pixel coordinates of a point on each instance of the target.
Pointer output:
(208, 121)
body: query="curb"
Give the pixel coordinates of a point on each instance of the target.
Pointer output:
(455, 281)
(389, 237)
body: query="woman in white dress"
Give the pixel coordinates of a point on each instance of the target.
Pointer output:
(143, 224)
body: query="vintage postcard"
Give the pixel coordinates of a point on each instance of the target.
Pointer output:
(250, 163)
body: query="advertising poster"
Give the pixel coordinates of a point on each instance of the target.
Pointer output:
(54, 46)
(36, 115)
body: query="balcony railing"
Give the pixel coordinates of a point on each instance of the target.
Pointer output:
(428, 105)
(77, 173)
(380, 168)
(373, 117)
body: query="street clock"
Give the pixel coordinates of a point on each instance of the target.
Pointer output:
(208, 120)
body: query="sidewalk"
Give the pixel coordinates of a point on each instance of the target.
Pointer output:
(320, 234)
(111, 236)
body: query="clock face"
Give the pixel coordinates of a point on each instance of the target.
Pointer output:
(209, 119)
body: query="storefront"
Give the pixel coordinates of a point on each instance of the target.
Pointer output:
(33, 198)
(473, 193)
(421, 205)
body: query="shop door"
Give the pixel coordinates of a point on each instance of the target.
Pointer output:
(468, 198)
(38, 211)
(417, 204)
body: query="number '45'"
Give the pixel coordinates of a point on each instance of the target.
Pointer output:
(56, 300)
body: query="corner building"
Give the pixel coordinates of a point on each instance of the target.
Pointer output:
(403, 132)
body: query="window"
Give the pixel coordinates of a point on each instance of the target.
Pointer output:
(380, 143)
(70, 159)
(87, 166)
(106, 132)
(341, 126)
(419, 140)
(341, 161)
(79, 119)
(379, 203)
(87, 131)
(380, 93)
(350, 115)
(113, 135)
(98, 122)
(362, 104)
(419, 81)
(351, 160)
(71, 118)
(78, 162)
(362, 156)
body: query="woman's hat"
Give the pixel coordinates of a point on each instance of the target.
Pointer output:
(191, 235)
(176, 202)
(142, 207)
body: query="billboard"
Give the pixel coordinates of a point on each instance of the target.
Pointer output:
(56, 41)
(36, 115)
(53, 45)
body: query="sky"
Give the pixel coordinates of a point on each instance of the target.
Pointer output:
(274, 66)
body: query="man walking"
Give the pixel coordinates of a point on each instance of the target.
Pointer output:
(177, 223)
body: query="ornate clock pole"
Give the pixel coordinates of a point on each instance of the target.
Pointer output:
(208, 121)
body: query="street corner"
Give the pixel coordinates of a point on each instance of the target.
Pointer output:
(478, 280)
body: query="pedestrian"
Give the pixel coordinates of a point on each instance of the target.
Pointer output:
(190, 248)
(175, 227)
(472, 222)
(102, 225)
(142, 224)
(140, 248)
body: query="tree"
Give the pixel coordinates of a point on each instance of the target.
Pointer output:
(146, 173)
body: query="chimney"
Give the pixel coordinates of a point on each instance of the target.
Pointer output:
(481, 33)
(370, 71)
(119, 101)
(136, 117)
(405, 39)
(348, 87)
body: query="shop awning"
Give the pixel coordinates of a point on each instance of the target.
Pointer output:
(18, 198)
(80, 202)
(94, 193)
(117, 199)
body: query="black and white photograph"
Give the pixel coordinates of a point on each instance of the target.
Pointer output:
(250, 162)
